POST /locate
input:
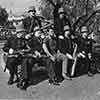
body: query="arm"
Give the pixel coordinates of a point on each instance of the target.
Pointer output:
(48, 53)
(6, 47)
(46, 50)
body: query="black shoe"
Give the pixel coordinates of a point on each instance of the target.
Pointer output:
(50, 81)
(59, 80)
(19, 84)
(24, 86)
(53, 82)
(17, 80)
(90, 74)
(10, 81)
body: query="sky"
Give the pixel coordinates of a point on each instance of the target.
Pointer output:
(17, 5)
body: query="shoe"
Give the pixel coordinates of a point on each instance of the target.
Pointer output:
(24, 86)
(10, 81)
(98, 70)
(53, 82)
(50, 81)
(59, 79)
(17, 80)
(19, 84)
(66, 77)
(90, 74)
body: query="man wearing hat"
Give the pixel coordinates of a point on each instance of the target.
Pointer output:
(66, 48)
(60, 21)
(32, 20)
(30, 59)
(84, 51)
(13, 45)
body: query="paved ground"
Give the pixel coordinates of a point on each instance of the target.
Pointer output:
(81, 88)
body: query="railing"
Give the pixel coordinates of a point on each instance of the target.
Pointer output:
(5, 34)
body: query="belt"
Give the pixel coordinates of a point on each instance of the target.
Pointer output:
(13, 56)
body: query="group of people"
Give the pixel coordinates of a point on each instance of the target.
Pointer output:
(51, 47)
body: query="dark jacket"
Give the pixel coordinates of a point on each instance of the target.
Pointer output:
(51, 44)
(59, 25)
(14, 43)
(31, 22)
(84, 45)
(34, 44)
(65, 45)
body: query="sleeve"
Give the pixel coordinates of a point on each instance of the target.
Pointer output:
(46, 40)
(6, 47)
(90, 46)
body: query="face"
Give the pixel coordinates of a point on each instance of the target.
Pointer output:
(51, 32)
(19, 35)
(38, 33)
(32, 13)
(27, 36)
(61, 15)
(67, 33)
(45, 30)
(84, 35)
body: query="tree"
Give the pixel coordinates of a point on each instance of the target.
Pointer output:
(78, 11)
(3, 16)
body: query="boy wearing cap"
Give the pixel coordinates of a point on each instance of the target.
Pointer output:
(12, 46)
(32, 20)
(60, 22)
(84, 51)
(49, 47)
(30, 59)
(65, 48)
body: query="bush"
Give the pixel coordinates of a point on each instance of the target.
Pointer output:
(3, 16)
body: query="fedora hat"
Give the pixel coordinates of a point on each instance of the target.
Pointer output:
(32, 9)
(84, 29)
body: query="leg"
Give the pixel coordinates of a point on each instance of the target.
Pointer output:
(64, 59)
(51, 71)
(30, 66)
(23, 74)
(10, 65)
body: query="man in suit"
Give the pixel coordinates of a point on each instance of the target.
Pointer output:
(13, 45)
(31, 20)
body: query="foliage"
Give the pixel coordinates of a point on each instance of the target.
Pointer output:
(3, 16)
(74, 10)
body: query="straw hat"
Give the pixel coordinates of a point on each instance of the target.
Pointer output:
(84, 29)
(32, 9)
